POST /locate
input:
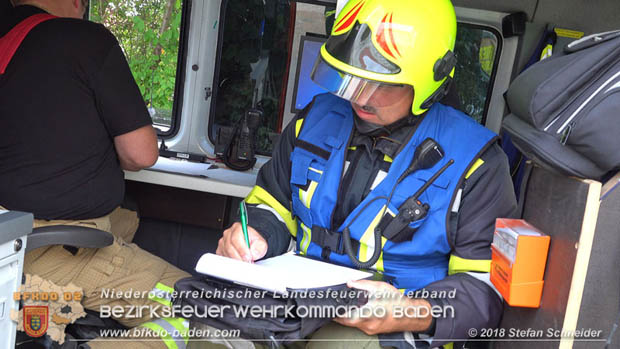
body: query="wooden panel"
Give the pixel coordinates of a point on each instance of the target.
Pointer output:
(601, 295)
(180, 205)
(558, 206)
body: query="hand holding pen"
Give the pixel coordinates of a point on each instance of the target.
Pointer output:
(241, 241)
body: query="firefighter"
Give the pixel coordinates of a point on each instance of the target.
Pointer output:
(344, 170)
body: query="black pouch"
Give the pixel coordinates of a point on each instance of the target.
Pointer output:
(564, 109)
(287, 317)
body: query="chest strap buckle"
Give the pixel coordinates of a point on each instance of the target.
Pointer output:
(328, 240)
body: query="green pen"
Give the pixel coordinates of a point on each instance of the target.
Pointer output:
(244, 222)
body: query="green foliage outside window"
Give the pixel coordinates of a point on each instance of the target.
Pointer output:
(148, 32)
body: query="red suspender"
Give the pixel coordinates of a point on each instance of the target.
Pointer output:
(11, 41)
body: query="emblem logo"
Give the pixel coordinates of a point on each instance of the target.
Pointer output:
(36, 320)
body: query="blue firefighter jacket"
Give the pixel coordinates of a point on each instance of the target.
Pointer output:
(318, 162)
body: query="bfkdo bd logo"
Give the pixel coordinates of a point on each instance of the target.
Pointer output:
(36, 320)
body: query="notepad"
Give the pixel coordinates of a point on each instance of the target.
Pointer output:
(279, 274)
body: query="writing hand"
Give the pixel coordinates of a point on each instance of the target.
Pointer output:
(233, 245)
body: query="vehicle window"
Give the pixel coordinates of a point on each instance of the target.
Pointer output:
(258, 45)
(149, 32)
(476, 51)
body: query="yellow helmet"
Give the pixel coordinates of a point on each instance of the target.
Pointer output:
(398, 42)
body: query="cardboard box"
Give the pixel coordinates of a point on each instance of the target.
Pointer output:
(518, 261)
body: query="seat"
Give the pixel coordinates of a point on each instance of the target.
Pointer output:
(70, 235)
(15, 232)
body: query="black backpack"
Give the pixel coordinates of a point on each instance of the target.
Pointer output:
(565, 110)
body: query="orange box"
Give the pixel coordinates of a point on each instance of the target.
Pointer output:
(518, 261)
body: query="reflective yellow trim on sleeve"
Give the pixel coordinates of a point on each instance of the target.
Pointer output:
(161, 294)
(462, 265)
(259, 196)
(448, 346)
(352, 148)
(387, 158)
(164, 288)
(298, 124)
(473, 169)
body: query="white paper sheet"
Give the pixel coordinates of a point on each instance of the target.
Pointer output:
(277, 274)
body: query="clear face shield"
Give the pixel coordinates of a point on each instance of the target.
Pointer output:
(355, 89)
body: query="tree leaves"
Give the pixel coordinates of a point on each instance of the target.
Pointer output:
(151, 57)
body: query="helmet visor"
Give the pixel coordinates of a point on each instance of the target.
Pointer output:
(355, 89)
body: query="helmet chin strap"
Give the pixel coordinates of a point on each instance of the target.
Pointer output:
(438, 95)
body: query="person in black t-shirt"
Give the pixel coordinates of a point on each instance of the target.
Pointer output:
(72, 119)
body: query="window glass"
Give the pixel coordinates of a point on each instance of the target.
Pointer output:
(476, 50)
(149, 33)
(258, 47)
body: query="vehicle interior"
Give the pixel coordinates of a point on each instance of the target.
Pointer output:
(231, 74)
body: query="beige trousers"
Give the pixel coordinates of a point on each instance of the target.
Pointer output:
(122, 266)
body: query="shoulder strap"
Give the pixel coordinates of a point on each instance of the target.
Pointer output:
(11, 41)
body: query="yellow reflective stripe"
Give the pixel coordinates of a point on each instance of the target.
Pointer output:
(367, 242)
(164, 288)
(379, 264)
(162, 294)
(306, 239)
(298, 124)
(329, 13)
(352, 148)
(259, 196)
(181, 325)
(167, 338)
(473, 169)
(546, 52)
(462, 265)
(306, 196)
(387, 158)
(448, 346)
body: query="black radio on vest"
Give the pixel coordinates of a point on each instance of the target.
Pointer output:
(426, 155)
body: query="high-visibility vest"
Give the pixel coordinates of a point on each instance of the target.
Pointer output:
(318, 162)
